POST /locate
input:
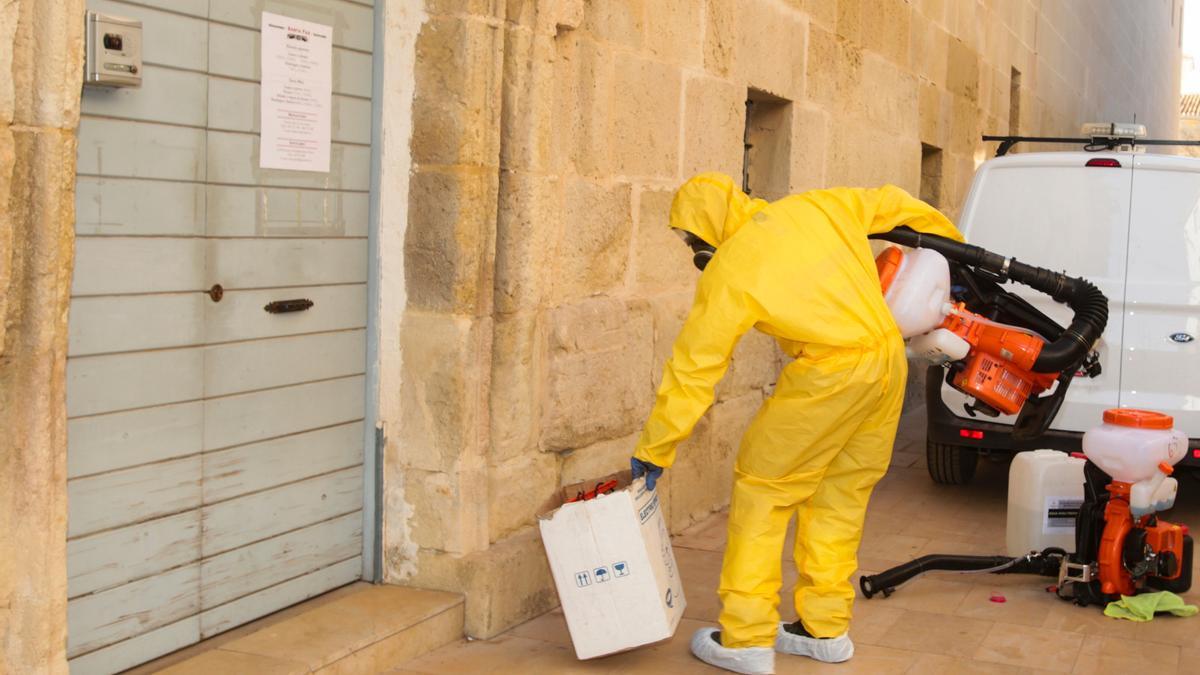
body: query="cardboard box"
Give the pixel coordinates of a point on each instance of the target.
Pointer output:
(615, 570)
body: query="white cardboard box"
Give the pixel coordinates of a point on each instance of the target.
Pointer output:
(615, 570)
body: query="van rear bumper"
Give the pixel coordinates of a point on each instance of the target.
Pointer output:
(947, 428)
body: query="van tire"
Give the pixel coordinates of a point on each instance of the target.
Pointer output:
(950, 464)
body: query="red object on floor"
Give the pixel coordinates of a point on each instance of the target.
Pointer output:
(996, 597)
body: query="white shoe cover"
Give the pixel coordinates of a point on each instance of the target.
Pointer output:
(746, 660)
(827, 650)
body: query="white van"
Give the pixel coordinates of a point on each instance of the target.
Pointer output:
(1127, 222)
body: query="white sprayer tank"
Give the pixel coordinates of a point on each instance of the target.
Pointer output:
(1138, 447)
(1045, 489)
(919, 294)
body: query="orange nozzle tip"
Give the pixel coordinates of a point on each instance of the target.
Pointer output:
(1166, 468)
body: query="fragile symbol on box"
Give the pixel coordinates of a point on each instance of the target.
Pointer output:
(621, 569)
(583, 578)
(601, 574)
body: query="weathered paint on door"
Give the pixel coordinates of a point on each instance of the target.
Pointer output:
(215, 450)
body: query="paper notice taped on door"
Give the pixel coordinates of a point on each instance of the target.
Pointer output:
(296, 94)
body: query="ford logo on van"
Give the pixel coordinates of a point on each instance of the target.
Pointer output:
(1181, 338)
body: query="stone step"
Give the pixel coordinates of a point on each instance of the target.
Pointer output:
(358, 629)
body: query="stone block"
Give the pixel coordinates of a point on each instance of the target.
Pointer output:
(850, 19)
(505, 585)
(771, 49)
(669, 312)
(663, 262)
(530, 101)
(515, 395)
(934, 110)
(885, 28)
(730, 419)
(599, 372)
(720, 37)
(447, 513)
(444, 377)
(527, 230)
(824, 12)
(570, 15)
(702, 477)
(519, 490)
(597, 460)
(486, 8)
(692, 477)
(584, 75)
(646, 118)
(929, 47)
(449, 242)
(753, 366)
(935, 10)
(823, 65)
(714, 122)
(861, 154)
(965, 127)
(835, 74)
(456, 106)
(672, 27)
(621, 22)
(593, 249)
(810, 138)
(37, 182)
(893, 105)
(962, 70)
(45, 63)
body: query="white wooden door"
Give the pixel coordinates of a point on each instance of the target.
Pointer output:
(215, 449)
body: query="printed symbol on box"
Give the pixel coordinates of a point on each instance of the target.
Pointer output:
(670, 598)
(602, 574)
(620, 569)
(583, 578)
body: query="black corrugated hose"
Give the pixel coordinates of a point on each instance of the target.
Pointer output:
(1089, 304)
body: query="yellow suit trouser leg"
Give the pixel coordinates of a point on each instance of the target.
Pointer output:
(761, 506)
(829, 526)
(817, 448)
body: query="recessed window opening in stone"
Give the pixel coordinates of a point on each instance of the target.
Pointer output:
(931, 175)
(767, 137)
(1014, 103)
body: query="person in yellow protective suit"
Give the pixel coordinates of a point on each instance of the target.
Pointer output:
(801, 270)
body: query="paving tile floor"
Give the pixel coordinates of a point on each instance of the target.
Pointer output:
(936, 624)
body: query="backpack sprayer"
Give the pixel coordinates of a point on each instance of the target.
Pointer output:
(1006, 355)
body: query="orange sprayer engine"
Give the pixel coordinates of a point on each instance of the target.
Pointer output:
(1122, 547)
(998, 368)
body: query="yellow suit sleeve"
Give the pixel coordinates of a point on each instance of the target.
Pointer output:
(890, 207)
(720, 315)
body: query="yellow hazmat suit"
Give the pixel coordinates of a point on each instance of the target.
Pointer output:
(801, 270)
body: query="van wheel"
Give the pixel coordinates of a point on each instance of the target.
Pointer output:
(950, 464)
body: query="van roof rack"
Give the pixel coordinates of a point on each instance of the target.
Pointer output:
(1092, 144)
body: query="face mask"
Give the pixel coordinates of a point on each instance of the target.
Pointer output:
(702, 251)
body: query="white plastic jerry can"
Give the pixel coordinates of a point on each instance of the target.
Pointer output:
(1045, 489)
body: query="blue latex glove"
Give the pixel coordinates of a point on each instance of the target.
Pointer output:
(652, 472)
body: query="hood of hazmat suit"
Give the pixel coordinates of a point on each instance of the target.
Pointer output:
(801, 270)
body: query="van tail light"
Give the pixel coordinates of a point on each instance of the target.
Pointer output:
(1104, 161)
(975, 434)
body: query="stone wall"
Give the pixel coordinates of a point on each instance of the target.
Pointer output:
(41, 47)
(544, 288)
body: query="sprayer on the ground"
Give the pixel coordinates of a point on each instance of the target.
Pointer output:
(949, 301)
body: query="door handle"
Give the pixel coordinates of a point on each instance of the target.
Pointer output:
(284, 306)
